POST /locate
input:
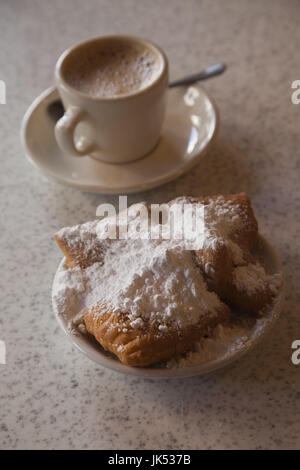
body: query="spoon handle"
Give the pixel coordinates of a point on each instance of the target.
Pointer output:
(211, 71)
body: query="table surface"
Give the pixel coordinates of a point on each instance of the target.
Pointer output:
(52, 396)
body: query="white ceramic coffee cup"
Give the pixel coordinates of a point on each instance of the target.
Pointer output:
(114, 129)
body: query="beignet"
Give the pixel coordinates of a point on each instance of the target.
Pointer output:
(151, 299)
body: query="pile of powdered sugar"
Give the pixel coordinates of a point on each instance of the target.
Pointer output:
(151, 280)
(152, 283)
(253, 277)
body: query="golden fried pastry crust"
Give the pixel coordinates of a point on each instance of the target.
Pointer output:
(143, 347)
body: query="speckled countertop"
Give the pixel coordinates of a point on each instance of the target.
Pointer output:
(52, 396)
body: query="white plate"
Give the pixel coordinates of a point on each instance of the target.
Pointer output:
(190, 127)
(221, 357)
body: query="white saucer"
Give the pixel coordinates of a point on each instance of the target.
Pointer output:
(220, 357)
(190, 127)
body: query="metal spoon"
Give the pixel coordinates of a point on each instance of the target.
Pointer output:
(211, 71)
(56, 109)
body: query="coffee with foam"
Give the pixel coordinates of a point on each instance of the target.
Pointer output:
(113, 69)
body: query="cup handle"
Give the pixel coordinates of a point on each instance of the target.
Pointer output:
(64, 132)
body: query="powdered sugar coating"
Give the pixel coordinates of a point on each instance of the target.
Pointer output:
(223, 217)
(253, 277)
(152, 282)
(222, 343)
(148, 280)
